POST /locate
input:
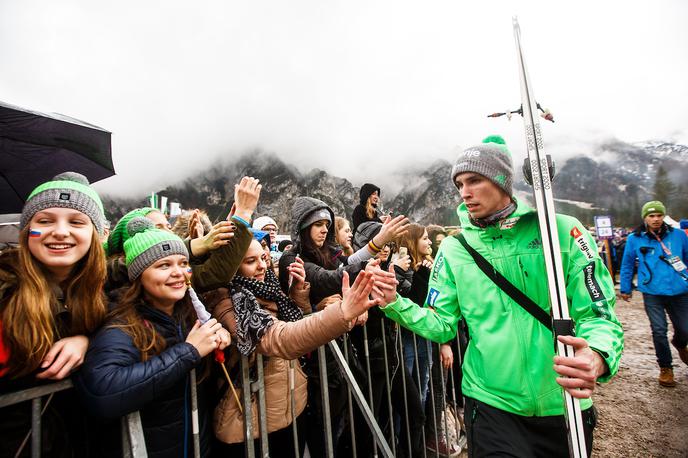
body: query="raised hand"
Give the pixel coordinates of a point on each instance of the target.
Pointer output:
(246, 195)
(403, 262)
(194, 226)
(63, 358)
(297, 273)
(204, 337)
(391, 229)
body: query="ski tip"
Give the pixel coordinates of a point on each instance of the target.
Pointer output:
(514, 20)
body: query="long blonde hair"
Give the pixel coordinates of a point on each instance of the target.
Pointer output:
(28, 315)
(339, 223)
(410, 241)
(371, 212)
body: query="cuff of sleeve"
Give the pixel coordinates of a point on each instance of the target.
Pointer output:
(241, 220)
(392, 304)
(609, 361)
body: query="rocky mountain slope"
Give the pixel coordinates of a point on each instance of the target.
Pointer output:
(614, 179)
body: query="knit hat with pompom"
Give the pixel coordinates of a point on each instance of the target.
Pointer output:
(119, 235)
(66, 190)
(147, 244)
(490, 159)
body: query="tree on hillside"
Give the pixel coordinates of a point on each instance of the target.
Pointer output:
(664, 190)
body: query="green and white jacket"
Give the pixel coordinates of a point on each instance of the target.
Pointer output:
(508, 363)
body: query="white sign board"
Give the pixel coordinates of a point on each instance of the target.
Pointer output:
(603, 227)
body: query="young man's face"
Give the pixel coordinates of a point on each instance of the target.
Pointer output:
(481, 196)
(654, 221)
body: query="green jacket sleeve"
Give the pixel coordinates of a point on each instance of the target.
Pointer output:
(222, 264)
(438, 320)
(592, 298)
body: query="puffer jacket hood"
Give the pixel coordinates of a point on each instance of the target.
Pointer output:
(366, 191)
(365, 232)
(304, 206)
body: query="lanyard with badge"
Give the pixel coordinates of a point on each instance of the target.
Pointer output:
(672, 260)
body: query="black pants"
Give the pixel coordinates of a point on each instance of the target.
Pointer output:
(493, 432)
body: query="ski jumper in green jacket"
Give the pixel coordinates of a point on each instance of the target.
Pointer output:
(509, 361)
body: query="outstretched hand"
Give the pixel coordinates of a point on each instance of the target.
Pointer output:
(385, 288)
(356, 298)
(580, 372)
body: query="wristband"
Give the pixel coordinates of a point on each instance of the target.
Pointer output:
(241, 220)
(373, 248)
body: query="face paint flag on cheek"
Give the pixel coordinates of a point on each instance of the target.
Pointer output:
(34, 233)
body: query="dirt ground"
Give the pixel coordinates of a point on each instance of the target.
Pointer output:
(637, 417)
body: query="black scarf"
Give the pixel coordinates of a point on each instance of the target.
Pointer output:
(251, 320)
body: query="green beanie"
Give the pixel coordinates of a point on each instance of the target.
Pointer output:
(146, 244)
(119, 235)
(654, 206)
(490, 159)
(66, 190)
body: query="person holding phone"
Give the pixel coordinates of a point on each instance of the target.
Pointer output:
(367, 208)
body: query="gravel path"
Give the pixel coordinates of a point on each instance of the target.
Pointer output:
(637, 417)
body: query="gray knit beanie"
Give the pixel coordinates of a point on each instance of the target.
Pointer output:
(490, 159)
(147, 244)
(66, 190)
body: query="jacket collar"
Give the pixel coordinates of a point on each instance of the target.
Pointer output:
(507, 224)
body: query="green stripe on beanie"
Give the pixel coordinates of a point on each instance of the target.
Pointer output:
(654, 206)
(147, 244)
(119, 235)
(66, 190)
(491, 159)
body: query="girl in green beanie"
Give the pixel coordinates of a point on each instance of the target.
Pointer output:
(142, 358)
(50, 302)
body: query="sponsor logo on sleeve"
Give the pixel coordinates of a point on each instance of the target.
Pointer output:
(582, 244)
(591, 283)
(439, 262)
(433, 294)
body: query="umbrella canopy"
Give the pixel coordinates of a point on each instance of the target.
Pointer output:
(34, 147)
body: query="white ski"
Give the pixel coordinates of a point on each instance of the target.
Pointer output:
(544, 204)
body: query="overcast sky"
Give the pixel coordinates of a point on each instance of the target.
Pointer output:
(357, 88)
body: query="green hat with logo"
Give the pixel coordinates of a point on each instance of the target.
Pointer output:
(147, 244)
(654, 206)
(491, 159)
(66, 190)
(119, 235)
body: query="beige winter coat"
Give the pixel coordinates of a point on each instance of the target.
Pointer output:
(282, 343)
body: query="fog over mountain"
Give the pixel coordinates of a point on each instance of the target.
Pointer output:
(615, 178)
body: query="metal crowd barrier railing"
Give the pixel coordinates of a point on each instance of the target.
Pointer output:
(385, 445)
(441, 390)
(133, 443)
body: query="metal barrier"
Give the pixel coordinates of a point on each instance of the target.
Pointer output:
(370, 411)
(441, 401)
(133, 443)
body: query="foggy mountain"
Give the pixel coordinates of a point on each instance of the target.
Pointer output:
(615, 179)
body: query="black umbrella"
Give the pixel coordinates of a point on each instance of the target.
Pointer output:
(34, 147)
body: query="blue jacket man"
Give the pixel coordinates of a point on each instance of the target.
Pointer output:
(662, 255)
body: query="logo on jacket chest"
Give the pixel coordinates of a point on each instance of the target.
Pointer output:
(535, 244)
(439, 262)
